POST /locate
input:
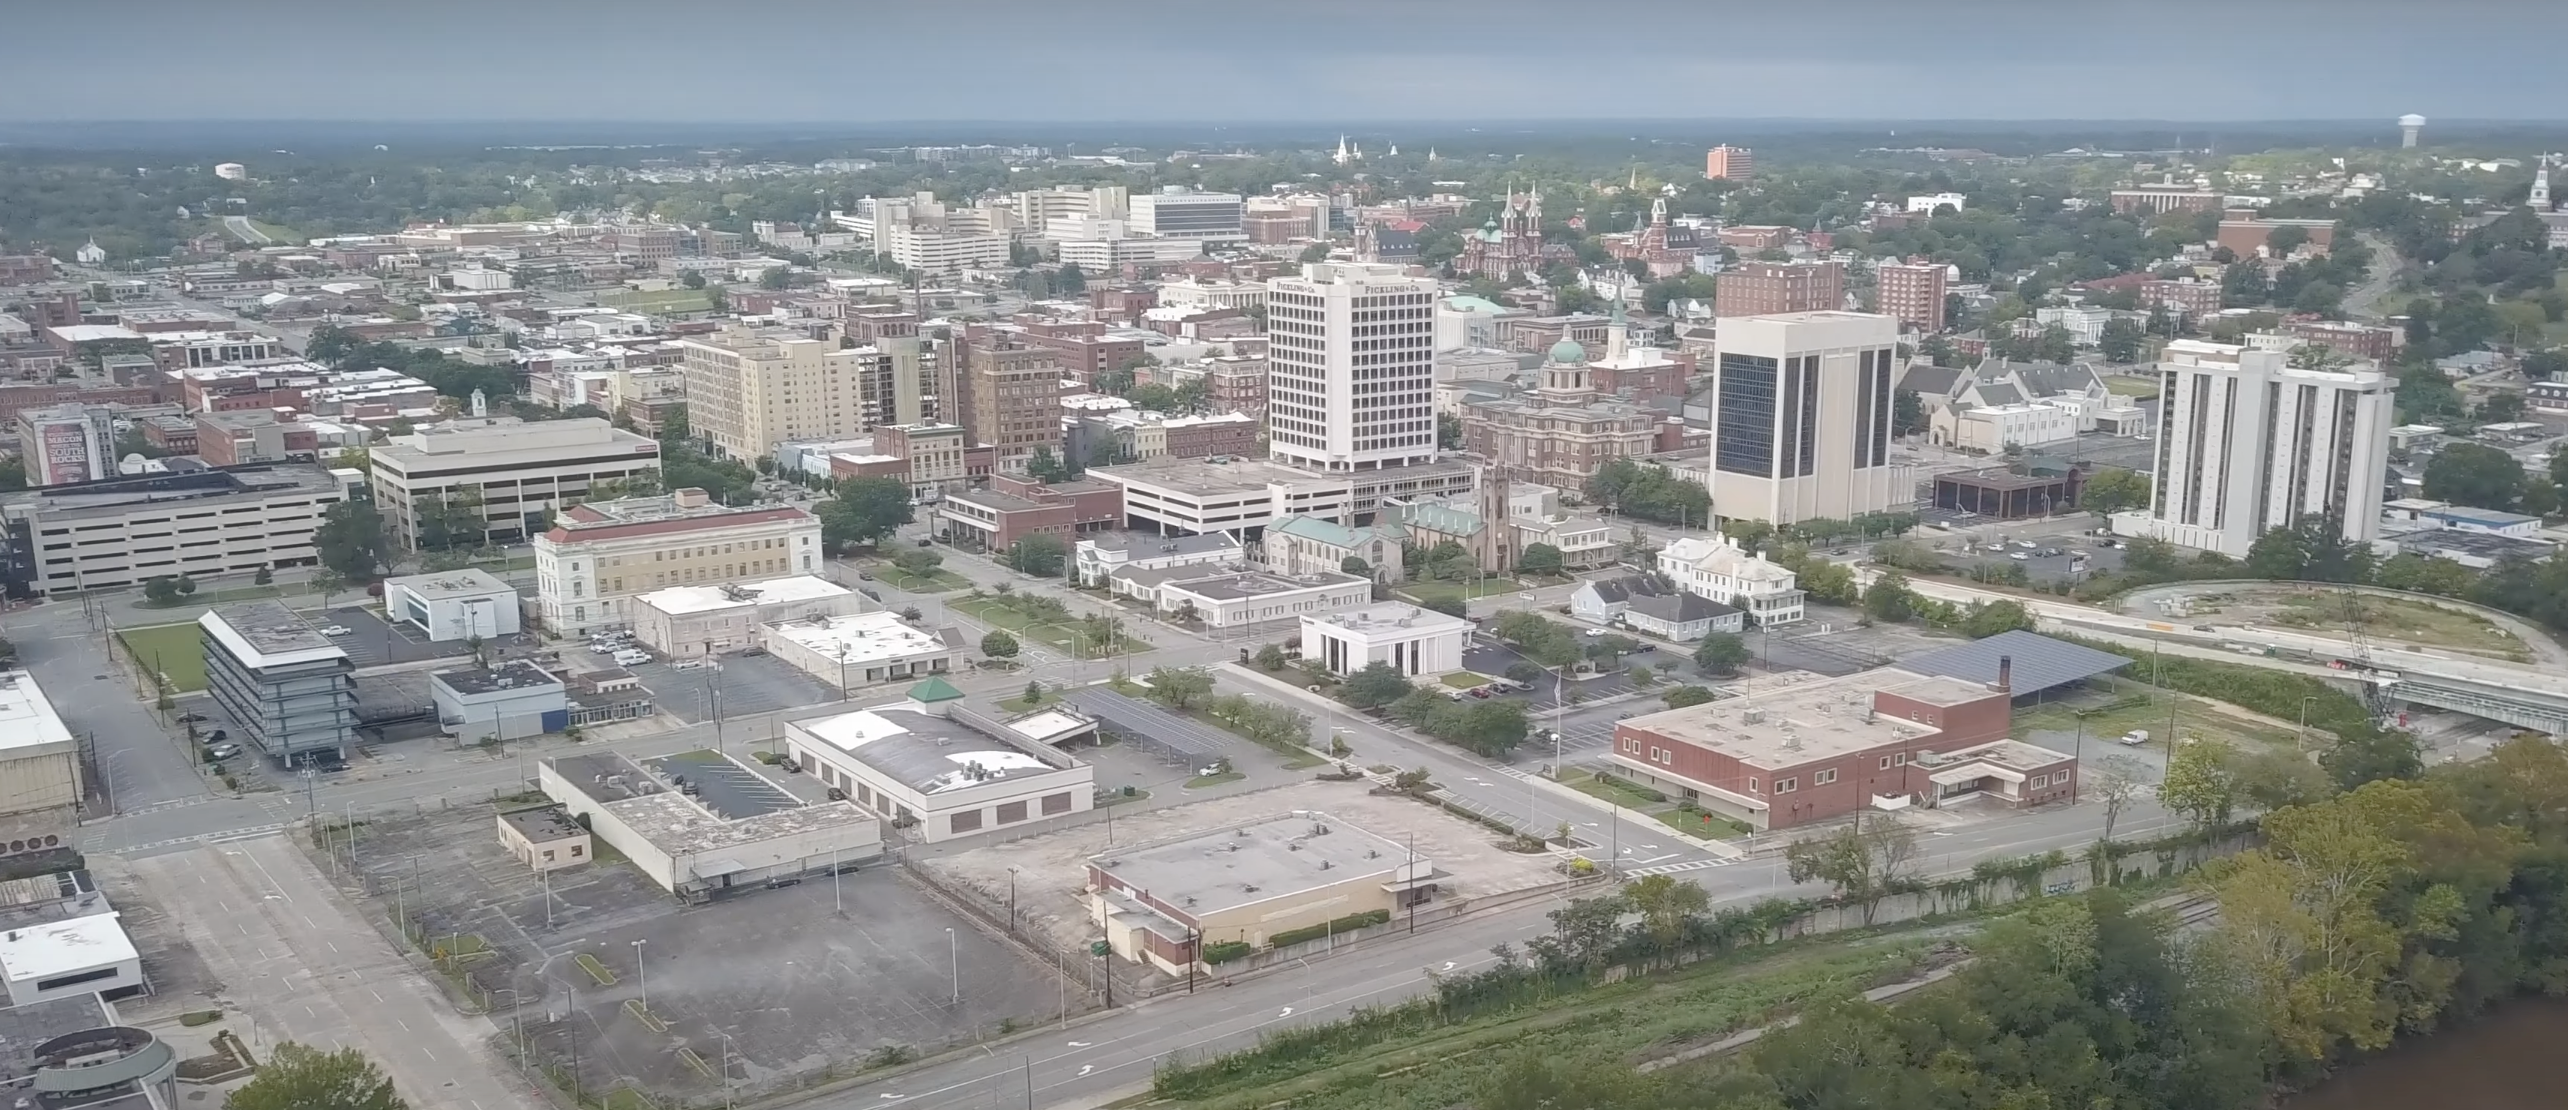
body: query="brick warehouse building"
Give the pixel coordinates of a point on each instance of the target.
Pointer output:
(1824, 749)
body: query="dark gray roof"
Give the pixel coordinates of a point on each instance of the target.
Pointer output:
(1150, 546)
(2050, 379)
(1993, 394)
(1611, 590)
(1681, 608)
(1928, 379)
(2040, 662)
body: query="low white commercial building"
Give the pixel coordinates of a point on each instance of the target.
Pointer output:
(685, 622)
(1201, 495)
(702, 824)
(858, 649)
(933, 767)
(1099, 556)
(69, 957)
(125, 531)
(510, 701)
(519, 473)
(1414, 641)
(1239, 598)
(598, 556)
(1991, 429)
(40, 772)
(454, 604)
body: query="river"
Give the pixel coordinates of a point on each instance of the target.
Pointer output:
(2507, 1061)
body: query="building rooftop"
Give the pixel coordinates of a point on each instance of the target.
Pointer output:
(859, 638)
(1807, 722)
(706, 599)
(1146, 545)
(442, 585)
(267, 634)
(1203, 477)
(200, 486)
(544, 823)
(27, 717)
(650, 802)
(29, 952)
(681, 511)
(1237, 585)
(32, 1045)
(1390, 616)
(515, 674)
(932, 754)
(1262, 860)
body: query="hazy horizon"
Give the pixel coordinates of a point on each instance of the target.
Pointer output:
(1336, 62)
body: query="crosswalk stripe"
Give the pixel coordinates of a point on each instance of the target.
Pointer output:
(1678, 868)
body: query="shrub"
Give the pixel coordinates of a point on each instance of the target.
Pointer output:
(1225, 952)
(1347, 924)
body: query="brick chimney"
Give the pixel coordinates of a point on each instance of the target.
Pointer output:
(2005, 675)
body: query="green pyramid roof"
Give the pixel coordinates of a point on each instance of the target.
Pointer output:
(932, 691)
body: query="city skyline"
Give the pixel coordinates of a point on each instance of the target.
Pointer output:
(1449, 61)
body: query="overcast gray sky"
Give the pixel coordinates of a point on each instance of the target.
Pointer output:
(1302, 60)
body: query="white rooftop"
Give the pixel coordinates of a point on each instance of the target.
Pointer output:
(860, 637)
(1048, 725)
(706, 599)
(65, 946)
(27, 719)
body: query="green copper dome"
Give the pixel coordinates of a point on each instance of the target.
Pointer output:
(1567, 352)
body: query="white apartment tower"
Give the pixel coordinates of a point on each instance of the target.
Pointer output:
(1801, 414)
(1351, 367)
(2248, 443)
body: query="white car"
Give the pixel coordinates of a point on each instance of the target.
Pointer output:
(690, 664)
(336, 630)
(632, 658)
(2135, 738)
(2020, 557)
(2025, 544)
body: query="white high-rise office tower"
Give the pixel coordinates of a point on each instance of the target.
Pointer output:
(1801, 414)
(2248, 443)
(1350, 376)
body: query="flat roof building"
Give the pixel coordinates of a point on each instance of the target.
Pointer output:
(290, 689)
(704, 825)
(929, 764)
(195, 521)
(1416, 642)
(1826, 748)
(512, 700)
(1248, 883)
(454, 604)
(522, 473)
(854, 649)
(598, 556)
(686, 622)
(1216, 494)
(545, 838)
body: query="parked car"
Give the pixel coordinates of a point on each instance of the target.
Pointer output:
(2025, 544)
(753, 651)
(690, 664)
(222, 751)
(631, 657)
(1478, 692)
(2135, 738)
(1519, 685)
(865, 575)
(192, 718)
(2019, 556)
(335, 630)
(2048, 552)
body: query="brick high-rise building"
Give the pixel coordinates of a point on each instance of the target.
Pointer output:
(1772, 288)
(1011, 392)
(1728, 163)
(1913, 292)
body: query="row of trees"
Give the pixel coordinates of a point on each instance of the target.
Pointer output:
(1263, 720)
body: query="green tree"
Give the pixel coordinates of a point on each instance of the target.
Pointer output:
(2199, 785)
(1272, 658)
(1994, 617)
(162, 590)
(2475, 475)
(864, 511)
(1044, 466)
(1907, 412)
(1523, 671)
(2121, 339)
(2282, 241)
(1071, 280)
(299, 1077)
(1356, 566)
(1539, 558)
(1721, 654)
(13, 473)
(1316, 252)
(1864, 862)
(1041, 555)
(999, 645)
(451, 519)
(1683, 696)
(1377, 685)
(1668, 906)
(692, 279)
(917, 562)
(1448, 431)
(2112, 490)
(350, 540)
(1180, 687)
(1890, 600)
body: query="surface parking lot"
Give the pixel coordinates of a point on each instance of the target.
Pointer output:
(736, 686)
(798, 982)
(373, 642)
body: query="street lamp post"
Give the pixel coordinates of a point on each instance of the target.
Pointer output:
(642, 971)
(954, 962)
(1012, 918)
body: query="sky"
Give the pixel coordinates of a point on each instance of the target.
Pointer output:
(1301, 61)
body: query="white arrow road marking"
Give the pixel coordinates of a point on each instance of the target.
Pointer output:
(887, 1097)
(1448, 965)
(1288, 1012)
(1078, 1044)
(1084, 1069)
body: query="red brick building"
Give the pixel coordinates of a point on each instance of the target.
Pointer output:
(2151, 200)
(25, 269)
(1754, 237)
(2244, 234)
(1911, 291)
(1236, 383)
(1767, 288)
(1012, 508)
(1728, 163)
(1824, 749)
(2182, 297)
(2355, 340)
(1084, 348)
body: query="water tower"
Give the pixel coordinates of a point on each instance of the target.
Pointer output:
(2409, 125)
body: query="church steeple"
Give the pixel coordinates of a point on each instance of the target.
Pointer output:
(2540, 198)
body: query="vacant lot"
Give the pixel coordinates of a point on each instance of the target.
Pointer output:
(806, 980)
(1050, 871)
(664, 301)
(2098, 723)
(1426, 591)
(1061, 635)
(178, 650)
(2124, 385)
(2415, 622)
(933, 582)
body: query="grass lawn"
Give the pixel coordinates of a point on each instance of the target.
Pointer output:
(2125, 386)
(2194, 717)
(1710, 826)
(2415, 622)
(1612, 789)
(1213, 780)
(664, 301)
(284, 236)
(1059, 635)
(935, 581)
(1464, 680)
(177, 649)
(1425, 592)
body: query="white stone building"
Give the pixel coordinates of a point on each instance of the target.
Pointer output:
(1417, 642)
(1723, 571)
